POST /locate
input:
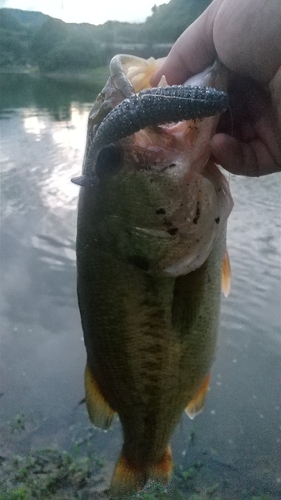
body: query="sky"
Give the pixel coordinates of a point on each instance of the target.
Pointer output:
(90, 11)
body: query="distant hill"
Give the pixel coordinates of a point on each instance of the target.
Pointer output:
(26, 18)
(8, 21)
(35, 39)
(169, 20)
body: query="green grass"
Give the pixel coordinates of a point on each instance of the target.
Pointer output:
(47, 474)
(20, 493)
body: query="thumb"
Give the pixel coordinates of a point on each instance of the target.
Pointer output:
(192, 52)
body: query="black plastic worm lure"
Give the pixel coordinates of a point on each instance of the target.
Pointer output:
(153, 107)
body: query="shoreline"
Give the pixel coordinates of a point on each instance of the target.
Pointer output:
(85, 76)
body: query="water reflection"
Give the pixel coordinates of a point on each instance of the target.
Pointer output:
(238, 437)
(39, 156)
(40, 321)
(23, 91)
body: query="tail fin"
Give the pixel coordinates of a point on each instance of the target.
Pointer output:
(128, 479)
(162, 471)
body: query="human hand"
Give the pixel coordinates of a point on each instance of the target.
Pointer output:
(246, 36)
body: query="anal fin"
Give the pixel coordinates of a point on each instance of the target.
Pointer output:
(196, 404)
(100, 413)
(226, 275)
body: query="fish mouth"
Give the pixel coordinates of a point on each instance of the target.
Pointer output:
(166, 126)
(179, 144)
(154, 107)
(161, 198)
(172, 148)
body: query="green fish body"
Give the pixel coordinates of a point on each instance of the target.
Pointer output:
(150, 249)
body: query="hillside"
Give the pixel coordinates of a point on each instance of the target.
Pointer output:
(26, 18)
(35, 39)
(168, 21)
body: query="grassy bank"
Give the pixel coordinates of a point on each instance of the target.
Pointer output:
(19, 70)
(52, 474)
(82, 473)
(57, 475)
(84, 77)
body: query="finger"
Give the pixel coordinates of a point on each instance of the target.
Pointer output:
(192, 52)
(247, 37)
(251, 159)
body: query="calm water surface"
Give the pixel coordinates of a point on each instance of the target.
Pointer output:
(238, 436)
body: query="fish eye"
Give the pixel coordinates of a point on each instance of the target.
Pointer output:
(109, 161)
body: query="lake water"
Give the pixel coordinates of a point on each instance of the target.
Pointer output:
(233, 449)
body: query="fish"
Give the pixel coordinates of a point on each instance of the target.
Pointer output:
(151, 259)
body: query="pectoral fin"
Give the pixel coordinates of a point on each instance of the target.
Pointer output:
(226, 275)
(100, 413)
(196, 404)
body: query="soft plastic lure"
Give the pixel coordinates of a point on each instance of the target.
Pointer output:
(149, 108)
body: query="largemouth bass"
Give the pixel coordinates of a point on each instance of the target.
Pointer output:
(150, 251)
